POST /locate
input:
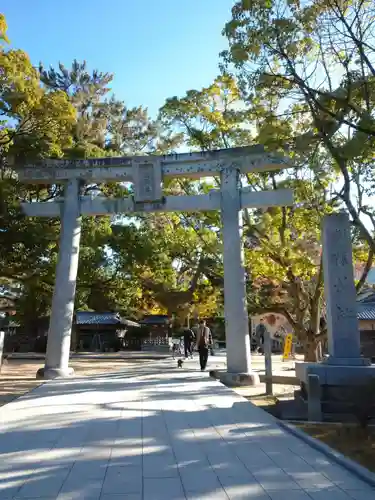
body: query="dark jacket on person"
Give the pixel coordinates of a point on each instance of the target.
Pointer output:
(188, 336)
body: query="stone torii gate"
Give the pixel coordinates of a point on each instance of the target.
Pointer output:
(147, 174)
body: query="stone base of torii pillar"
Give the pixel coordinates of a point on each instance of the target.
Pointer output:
(236, 379)
(52, 373)
(344, 374)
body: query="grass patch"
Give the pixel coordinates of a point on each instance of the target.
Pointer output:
(350, 440)
(262, 400)
(257, 396)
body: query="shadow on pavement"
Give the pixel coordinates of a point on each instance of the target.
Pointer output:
(169, 435)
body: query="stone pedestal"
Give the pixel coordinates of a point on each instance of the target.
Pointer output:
(235, 305)
(314, 402)
(59, 333)
(334, 376)
(344, 369)
(340, 386)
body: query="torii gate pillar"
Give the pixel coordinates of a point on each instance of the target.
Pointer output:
(235, 304)
(62, 310)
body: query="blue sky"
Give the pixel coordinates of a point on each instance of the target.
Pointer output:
(155, 48)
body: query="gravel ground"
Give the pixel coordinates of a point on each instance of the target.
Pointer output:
(18, 376)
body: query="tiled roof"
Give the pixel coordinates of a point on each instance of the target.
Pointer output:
(366, 311)
(155, 319)
(366, 297)
(105, 318)
(94, 318)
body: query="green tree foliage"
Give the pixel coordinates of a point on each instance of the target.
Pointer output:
(167, 258)
(34, 120)
(211, 118)
(105, 126)
(316, 58)
(283, 255)
(62, 113)
(306, 72)
(86, 92)
(35, 123)
(3, 30)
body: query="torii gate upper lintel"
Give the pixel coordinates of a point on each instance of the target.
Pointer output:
(147, 174)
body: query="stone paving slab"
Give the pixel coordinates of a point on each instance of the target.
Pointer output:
(169, 434)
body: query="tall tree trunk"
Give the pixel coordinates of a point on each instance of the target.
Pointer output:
(310, 350)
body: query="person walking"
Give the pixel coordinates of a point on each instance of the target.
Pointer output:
(188, 342)
(204, 340)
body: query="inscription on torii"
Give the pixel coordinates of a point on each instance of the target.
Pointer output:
(147, 179)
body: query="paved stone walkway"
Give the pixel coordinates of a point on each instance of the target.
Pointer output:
(157, 434)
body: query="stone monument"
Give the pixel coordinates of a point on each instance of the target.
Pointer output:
(344, 367)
